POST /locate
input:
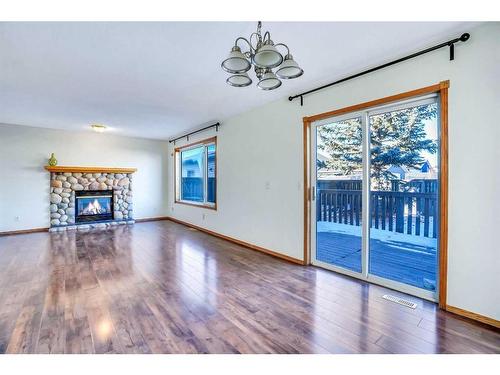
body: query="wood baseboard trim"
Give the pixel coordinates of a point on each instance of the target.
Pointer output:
(23, 231)
(36, 230)
(473, 316)
(145, 219)
(239, 242)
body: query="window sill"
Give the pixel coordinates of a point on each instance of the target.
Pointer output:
(200, 205)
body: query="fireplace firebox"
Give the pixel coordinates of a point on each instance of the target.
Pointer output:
(93, 205)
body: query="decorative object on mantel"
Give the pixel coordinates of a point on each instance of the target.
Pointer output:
(90, 197)
(98, 128)
(264, 56)
(52, 160)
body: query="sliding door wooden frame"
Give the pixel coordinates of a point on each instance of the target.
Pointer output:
(443, 197)
(440, 88)
(307, 191)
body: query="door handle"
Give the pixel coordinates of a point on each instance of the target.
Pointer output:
(313, 193)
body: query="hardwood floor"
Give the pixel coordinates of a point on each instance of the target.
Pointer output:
(160, 287)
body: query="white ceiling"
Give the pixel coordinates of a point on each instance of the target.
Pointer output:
(155, 80)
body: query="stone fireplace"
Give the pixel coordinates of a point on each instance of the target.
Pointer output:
(82, 198)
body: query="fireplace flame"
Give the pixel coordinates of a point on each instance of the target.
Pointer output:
(93, 208)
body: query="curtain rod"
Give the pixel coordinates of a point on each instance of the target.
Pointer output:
(216, 126)
(451, 43)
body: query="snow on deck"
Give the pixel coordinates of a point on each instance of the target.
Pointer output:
(401, 257)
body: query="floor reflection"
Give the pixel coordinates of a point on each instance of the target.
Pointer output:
(160, 287)
(198, 276)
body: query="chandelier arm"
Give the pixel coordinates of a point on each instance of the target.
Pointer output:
(284, 45)
(268, 34)
(246, 40)
(259, 40)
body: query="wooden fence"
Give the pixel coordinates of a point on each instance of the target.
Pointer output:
(402, 212)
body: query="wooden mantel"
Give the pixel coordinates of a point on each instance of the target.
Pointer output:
(77, 169)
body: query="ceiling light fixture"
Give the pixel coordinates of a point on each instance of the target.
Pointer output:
(98, 128)
(264, 56)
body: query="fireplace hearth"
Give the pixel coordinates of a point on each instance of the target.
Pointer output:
(93, 205)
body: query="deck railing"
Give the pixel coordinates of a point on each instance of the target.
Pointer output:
(402, 212)
(192, 188)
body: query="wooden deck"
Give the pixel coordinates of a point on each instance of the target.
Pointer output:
(400, 261)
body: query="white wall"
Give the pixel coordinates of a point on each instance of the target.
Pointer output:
(24, 185)
(265, 145)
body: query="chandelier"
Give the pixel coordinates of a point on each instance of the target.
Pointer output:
(264, 57)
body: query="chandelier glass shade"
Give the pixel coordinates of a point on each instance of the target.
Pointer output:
(267, 56)
(236, 62)
(264, 56)
(289, 69)
(269, 81)
(239, 80)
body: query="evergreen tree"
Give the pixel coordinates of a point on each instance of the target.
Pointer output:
(342, 142)
(320, 164)
(397, 138)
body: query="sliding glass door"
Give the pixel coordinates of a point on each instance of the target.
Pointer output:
(375, 204)
(339, 163)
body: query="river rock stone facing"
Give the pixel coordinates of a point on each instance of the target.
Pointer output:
(62, 198)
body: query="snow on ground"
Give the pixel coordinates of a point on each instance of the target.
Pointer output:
(377, 234)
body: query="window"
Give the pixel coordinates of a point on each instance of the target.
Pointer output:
(196, 173)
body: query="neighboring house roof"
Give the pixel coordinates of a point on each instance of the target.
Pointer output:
(190, 162)
(396, 169)
(322, 156)
(330, 175)
(426, 167)
(424, 172)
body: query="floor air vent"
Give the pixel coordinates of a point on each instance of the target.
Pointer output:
(401, 301)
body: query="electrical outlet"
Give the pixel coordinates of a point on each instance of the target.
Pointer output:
(203, 216)
(172, 208)
(17, 218)
(268, 185)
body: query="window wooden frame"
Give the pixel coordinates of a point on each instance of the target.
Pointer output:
(177, 179)
(441, 89)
